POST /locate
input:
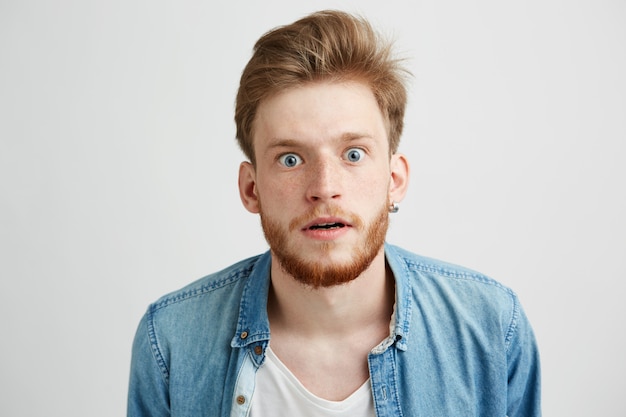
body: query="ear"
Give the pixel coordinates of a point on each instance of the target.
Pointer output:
(399, 182)
(247, 187)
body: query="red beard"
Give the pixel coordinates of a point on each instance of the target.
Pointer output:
(316, 274)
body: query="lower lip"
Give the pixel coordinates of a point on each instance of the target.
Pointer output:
(326, 234)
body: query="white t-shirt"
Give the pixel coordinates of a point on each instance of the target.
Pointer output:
(279, 393)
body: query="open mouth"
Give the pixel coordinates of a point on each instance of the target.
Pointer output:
(327, 226)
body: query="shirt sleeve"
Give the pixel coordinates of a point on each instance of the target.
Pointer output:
(524, 379)
(148, 386)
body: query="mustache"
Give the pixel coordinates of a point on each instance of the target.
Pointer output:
(325, 211)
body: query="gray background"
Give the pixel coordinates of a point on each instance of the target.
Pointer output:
(118, 175)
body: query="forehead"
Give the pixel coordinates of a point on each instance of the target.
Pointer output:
(319, 112)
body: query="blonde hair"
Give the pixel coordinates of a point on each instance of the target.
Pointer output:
(324, 46)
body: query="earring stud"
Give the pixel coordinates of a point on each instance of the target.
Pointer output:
(394, 207)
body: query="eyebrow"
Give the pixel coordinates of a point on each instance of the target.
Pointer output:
(293, 143)
(283, 143)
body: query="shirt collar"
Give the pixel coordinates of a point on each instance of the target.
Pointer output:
(253, 323)
(402, 311)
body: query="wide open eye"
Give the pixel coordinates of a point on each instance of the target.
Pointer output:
(354, 154)
(290, 160)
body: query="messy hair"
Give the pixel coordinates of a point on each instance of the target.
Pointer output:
(324, 46)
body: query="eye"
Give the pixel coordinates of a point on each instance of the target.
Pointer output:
(354, 154)
(290, 160)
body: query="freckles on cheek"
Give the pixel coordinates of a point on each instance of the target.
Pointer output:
(277, 189)
(372, 187)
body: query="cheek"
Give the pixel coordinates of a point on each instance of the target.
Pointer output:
(374, 186)
(278, 191)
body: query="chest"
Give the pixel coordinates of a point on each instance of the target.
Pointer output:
(329, 372)
(279, 392)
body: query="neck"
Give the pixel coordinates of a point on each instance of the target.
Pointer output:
(364, 302)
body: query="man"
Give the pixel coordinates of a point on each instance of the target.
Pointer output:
(332, 320)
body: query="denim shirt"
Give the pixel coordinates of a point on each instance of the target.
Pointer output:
(460, 346)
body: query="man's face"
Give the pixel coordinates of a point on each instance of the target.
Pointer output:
(322, 180)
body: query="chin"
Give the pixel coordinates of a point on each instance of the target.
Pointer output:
(327, 263)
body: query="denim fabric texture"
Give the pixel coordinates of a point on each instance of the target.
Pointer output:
(460, 346)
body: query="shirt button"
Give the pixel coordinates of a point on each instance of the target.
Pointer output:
(241, 400)
(243, 335)
(258, 350)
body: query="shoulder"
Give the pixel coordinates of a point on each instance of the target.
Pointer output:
(219, 286)
(203, 313)
(419, 267)
(440, 290)
(194, 323)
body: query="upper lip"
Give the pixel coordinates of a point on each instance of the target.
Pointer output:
(320, 221)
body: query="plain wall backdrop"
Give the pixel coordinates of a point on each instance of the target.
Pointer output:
(118, 173)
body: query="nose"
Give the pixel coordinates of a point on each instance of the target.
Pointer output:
(324, 182)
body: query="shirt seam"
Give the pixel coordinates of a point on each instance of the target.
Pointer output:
(512, 329)
(156, 350)
(449, 273)
(187, 294)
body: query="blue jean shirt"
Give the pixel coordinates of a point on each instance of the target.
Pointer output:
(460, 345)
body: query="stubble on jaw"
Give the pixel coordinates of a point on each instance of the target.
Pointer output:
(318, 274)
